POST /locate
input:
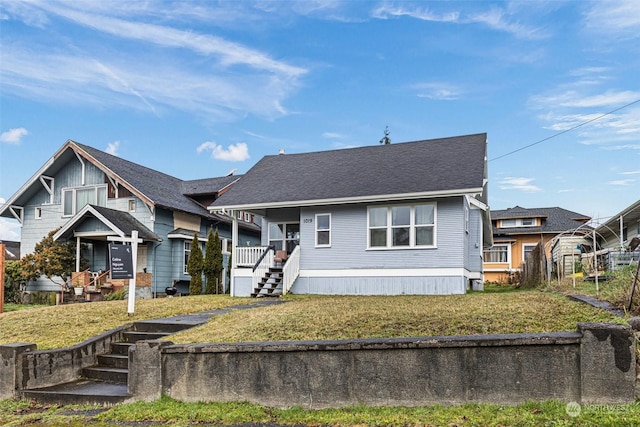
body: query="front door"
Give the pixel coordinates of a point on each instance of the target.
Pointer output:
(284, 235)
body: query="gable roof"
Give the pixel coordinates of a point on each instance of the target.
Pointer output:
(555, 220)
(158, 188)
(120, 223)
(445, 166)
(153, 187)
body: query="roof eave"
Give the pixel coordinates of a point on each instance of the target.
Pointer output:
(346, 200)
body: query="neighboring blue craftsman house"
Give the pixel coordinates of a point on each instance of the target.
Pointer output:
(404, 218)
(93, 197)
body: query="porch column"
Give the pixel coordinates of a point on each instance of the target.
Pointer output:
(77, 253)
(234, 255)
(621, 232)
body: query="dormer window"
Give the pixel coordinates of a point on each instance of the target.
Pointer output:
(519, 222)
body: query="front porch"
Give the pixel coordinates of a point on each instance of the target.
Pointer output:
(95, 285)
(258, 272)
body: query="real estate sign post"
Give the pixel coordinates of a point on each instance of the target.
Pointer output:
(123, 259)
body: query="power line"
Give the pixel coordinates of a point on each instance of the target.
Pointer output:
(567, 130)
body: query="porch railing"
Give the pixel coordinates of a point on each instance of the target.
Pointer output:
(247, 257)
(291, 270)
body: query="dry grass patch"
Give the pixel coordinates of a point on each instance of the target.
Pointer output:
(348, 317)
(66, 325)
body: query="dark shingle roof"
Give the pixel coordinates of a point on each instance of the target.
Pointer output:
(126, 223)
(554, 220)
(162, 189)
(207, 185)
(446, 164)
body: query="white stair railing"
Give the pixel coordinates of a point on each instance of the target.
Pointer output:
(291, 270)
(261, 268)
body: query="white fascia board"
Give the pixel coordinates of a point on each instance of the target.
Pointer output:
(186, 237)
(348, 200)
(477, 203)
(113, 176)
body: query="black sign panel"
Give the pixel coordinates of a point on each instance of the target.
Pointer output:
(121, 261)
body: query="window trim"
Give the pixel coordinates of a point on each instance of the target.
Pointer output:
(131, 205)
(324, 245)
(186, 253)
(74, 199)
(507, 246)
(524, 245)
(518, 222)
(284, 239)
(412, 227)
(37, 212)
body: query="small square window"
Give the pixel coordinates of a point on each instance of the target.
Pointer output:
(132, 205)
(38, 213)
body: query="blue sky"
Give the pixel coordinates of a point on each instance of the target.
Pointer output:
(197, 89)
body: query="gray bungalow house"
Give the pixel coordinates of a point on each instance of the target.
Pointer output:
(404, 218)
(94, 197)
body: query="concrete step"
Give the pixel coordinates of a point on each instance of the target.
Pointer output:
(107, 374)
(113, 361)
(121, 348)
(164, 325)
(81, 392)
(133, 336)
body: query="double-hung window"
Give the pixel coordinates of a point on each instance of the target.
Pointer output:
(187, 252)
(527, 249)
(74, 199)
(498, 253)
(402, 226)
(323, 230)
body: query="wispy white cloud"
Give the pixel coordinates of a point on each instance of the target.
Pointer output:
(13, 136)
(333, 135)
(519, 183)
(229, 53)
(622, 182)
(385, 11)
(438, 91)
(495, 18)
(614, 18)
(220, 80)
(234, 153)
(112, 148)
(585, 101)
(631, 173)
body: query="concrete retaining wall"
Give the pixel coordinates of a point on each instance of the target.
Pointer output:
(596, 364)
(23, 367)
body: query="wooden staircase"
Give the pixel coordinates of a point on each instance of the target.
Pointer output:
(270, 285)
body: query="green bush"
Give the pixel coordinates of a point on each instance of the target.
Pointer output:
(116, 296)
